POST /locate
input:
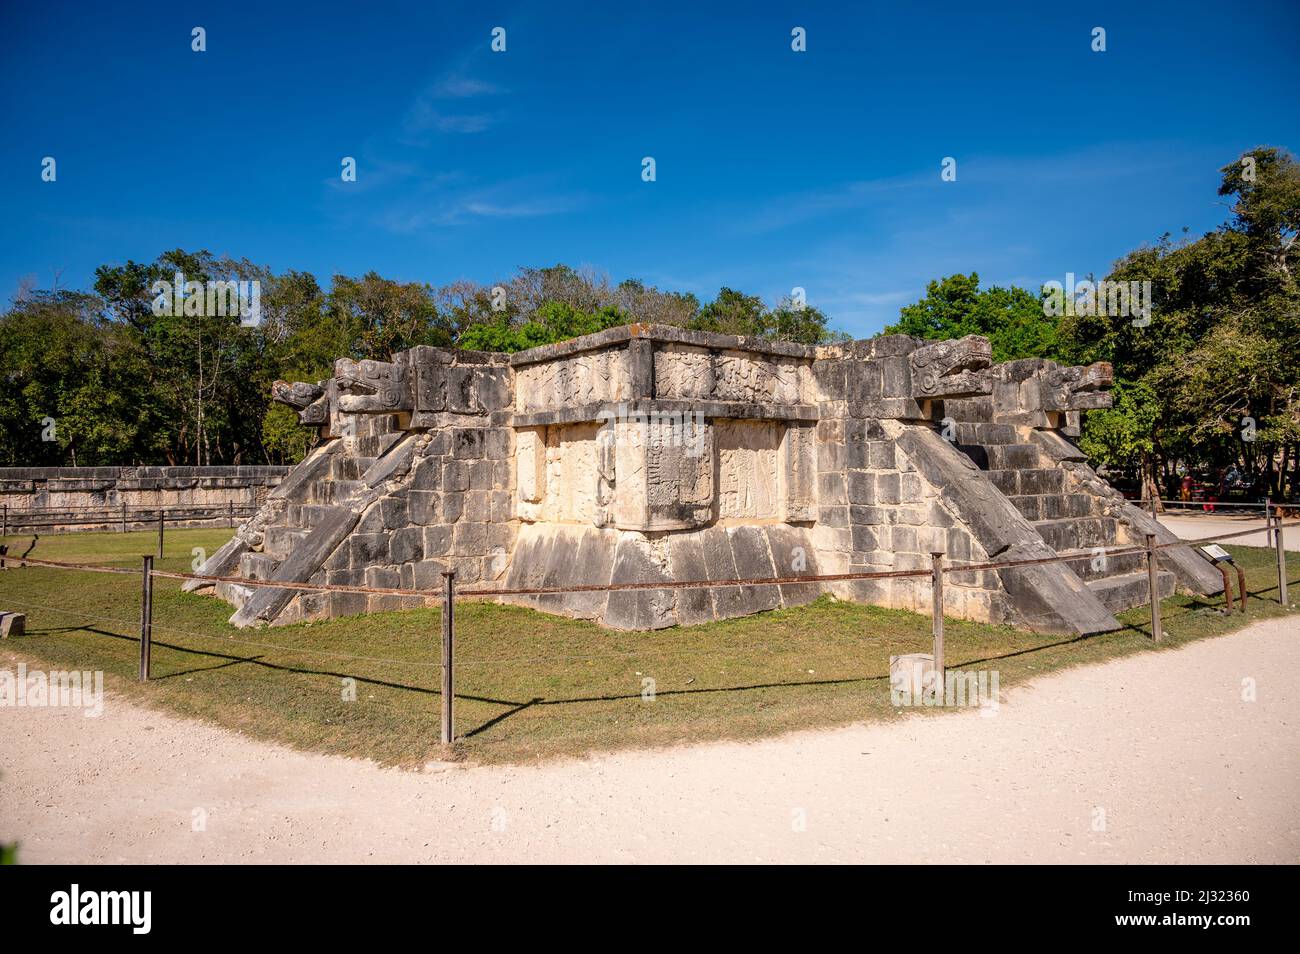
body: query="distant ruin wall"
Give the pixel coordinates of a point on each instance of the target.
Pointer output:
(68, 495)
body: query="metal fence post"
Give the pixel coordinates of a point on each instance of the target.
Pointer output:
(160, 532)
(448, 649)
(1153, 582)
(230, 514)
(5, 531)
(1268, 522)
(936, 626)
(124, 518)
(146, 617)
(1281, 561)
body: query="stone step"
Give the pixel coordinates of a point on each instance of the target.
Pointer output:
(376, 445)
(1118, 593)
(969, 410)
(1031, 481)
(348, 466)
(279, 542)
(1012, 456)
(984, 433)
(334, 491)
(307, 516)
(976, 452)
(257, 566)
(1052, 506)
(234, 594)
(1078, 533)
(1089, 565)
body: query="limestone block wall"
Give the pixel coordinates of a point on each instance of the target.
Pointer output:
(73, 492)
(648, 455)
(450, 506)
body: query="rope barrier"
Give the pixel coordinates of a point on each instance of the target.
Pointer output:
(657, 584)
(665, 651)
(130, 623)
(291, 650)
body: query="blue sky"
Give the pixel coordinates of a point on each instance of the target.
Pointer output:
(775, 169)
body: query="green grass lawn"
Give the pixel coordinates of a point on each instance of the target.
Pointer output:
(528, 685)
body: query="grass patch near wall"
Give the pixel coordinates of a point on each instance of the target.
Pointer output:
(528, 686)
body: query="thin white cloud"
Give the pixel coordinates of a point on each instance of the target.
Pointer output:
(497, 203)
(429, 111)
(464, 87)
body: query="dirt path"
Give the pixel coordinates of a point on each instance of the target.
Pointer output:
(1184, 769)
(1196, 526)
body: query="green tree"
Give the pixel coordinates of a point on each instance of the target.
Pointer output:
(552, 321)
(732, 313)
(1013, 319)
(1217, 357)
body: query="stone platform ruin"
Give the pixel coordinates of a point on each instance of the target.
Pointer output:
(648, 454)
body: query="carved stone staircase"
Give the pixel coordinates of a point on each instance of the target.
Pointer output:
(290, 541)
(331, 492)
(1069, 521)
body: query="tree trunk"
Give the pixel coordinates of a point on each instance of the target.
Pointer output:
(1150, 485)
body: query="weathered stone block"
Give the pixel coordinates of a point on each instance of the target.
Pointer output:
(368, 549)
(831, 488)
(477, 508)
(395, 512)
(469, 539)
(749, 550)
(388, 577)
(888, 488)
(437, 540)
(638, 609)
(480, 475)
(422, 507)
(406, 545)
(455, 475)
(864, 538)
(427, 474)
(468, 443)
(686, 562)
(834, 516)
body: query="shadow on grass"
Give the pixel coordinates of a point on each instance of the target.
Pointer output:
(513, 707)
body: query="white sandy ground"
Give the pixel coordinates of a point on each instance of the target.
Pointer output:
(1184, 769)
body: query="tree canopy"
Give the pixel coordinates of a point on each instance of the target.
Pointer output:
(1210, 382)
(1012, 318)
(126, 381)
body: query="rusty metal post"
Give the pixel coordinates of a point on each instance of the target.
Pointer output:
(936, 626)
(230, 514)
(1241, 585)
(1281, 561)
(160, 532)
(1227, 586)
(1153, 582)
(146, 618)
(448, 649)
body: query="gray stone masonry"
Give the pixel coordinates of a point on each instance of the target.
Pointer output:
(647, 454)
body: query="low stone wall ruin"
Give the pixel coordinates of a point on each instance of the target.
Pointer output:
(53, 499)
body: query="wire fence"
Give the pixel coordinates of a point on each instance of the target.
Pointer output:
(449, 595)
(121, 517)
